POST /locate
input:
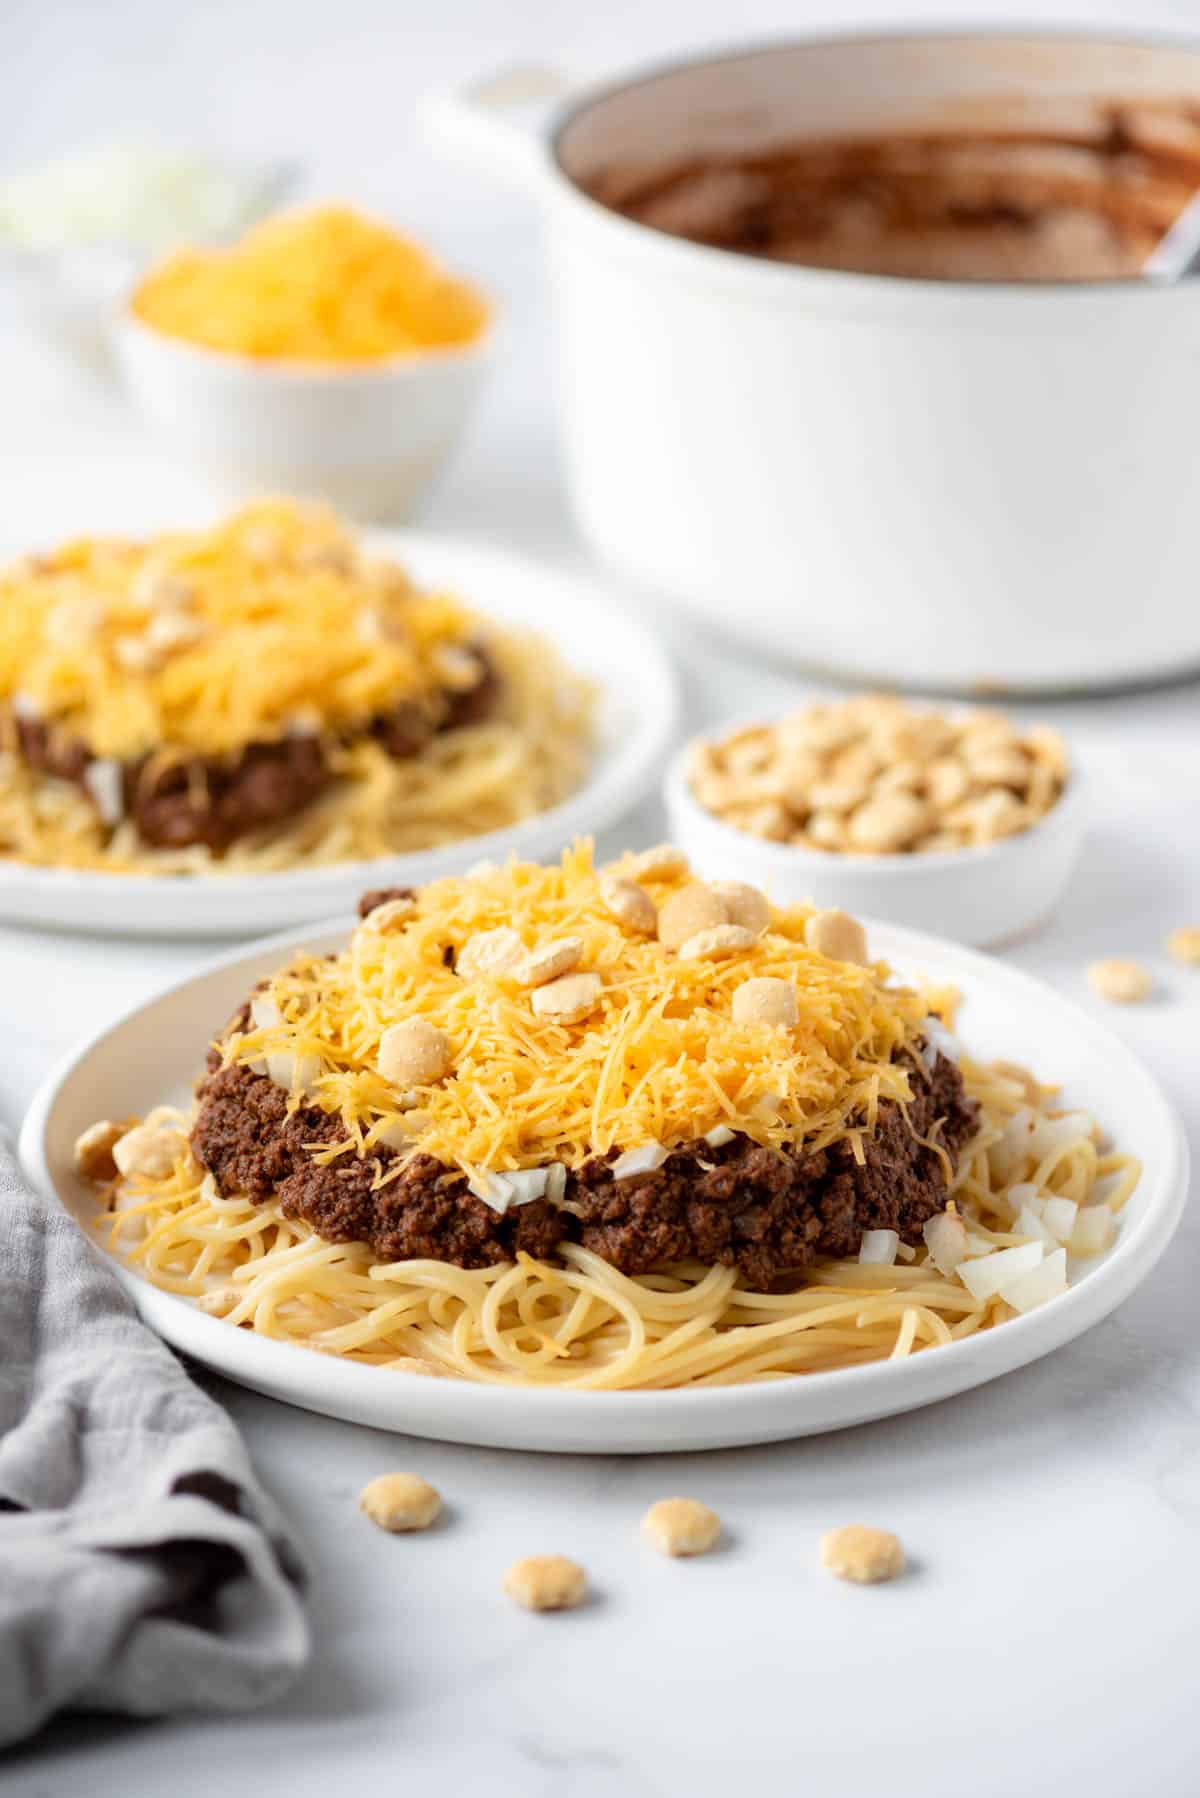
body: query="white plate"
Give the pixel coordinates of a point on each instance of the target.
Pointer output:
(637, 721)
(152, 1055)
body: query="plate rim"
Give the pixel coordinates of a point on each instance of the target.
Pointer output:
(517, 1417)
(594, 806)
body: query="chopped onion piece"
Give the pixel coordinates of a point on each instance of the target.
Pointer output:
(643, 1160)
(1059, 1216)
(939, 1041)
(495, 1190)
(984, 1276)
(1093, 1229)
(1050, 1134)
(718, 1136)
(24, 705)
(556, 1182)
(394, 1134)
(1006, 1155)
(1025, 1194)
(946, 1239)
(264, 1013)
(878, 1248)
(298, 1073)
(106, 784)
(1030, 1224)
(528, 1183)
(1024, 1292)
(398, 1133)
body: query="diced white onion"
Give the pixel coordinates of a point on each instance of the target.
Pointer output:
(24, 705)
(878, 1248)
(985, 1275)
(556, 1182)
(1093, 1228)
(495, 1190)
(105, 782)
(642, 1160)
(1024, 1292)
(398, 1133)
(1030, 1224)
(939, 1041)
(1016, 1142)
(264, 1013)
(1059, 1217)
(296, 1073)
(718, 1136)
(1049, 1134)
(946, 1239)
(1025, 1195)
(528, 1183)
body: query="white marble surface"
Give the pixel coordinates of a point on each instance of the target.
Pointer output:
(1045, 1640)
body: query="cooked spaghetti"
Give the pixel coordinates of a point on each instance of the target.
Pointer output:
(263, 695)
(531, 1128)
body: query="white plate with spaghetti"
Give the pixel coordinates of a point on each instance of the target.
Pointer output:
(634, 722)
(150, 1058)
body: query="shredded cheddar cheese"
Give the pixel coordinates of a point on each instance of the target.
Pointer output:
(325, 285)
(661, 1059)
(208, 641)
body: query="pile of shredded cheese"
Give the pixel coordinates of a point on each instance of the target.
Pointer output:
(319, 286)
(207, 641)
(661, 1060)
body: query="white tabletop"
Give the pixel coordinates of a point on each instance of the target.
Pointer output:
(1045, 1639)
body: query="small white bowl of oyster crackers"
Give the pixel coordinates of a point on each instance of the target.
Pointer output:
(955, 821)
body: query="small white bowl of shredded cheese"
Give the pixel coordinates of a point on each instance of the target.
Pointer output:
(325, 354)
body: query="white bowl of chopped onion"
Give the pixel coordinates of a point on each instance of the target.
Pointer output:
(76, 231)
(982, 896)
(370, 438)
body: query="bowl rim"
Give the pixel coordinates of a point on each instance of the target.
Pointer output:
(479, 349)
(784, 280)
(1069, 808)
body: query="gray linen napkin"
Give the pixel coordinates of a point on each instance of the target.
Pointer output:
(142, 1567)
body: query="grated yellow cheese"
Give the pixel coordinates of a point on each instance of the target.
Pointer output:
(661, 1059)
(280, 626)
(326, 285)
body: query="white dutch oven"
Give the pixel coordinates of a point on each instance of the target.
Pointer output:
(936, 484)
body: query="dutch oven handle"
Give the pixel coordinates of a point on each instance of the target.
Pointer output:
(499, 123)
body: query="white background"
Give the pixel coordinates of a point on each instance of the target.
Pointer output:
(1046, 1639)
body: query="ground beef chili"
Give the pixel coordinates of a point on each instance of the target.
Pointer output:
(214, 800)
(51, 751)
(244, 1136)
(768, 1212)
(197, 799)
